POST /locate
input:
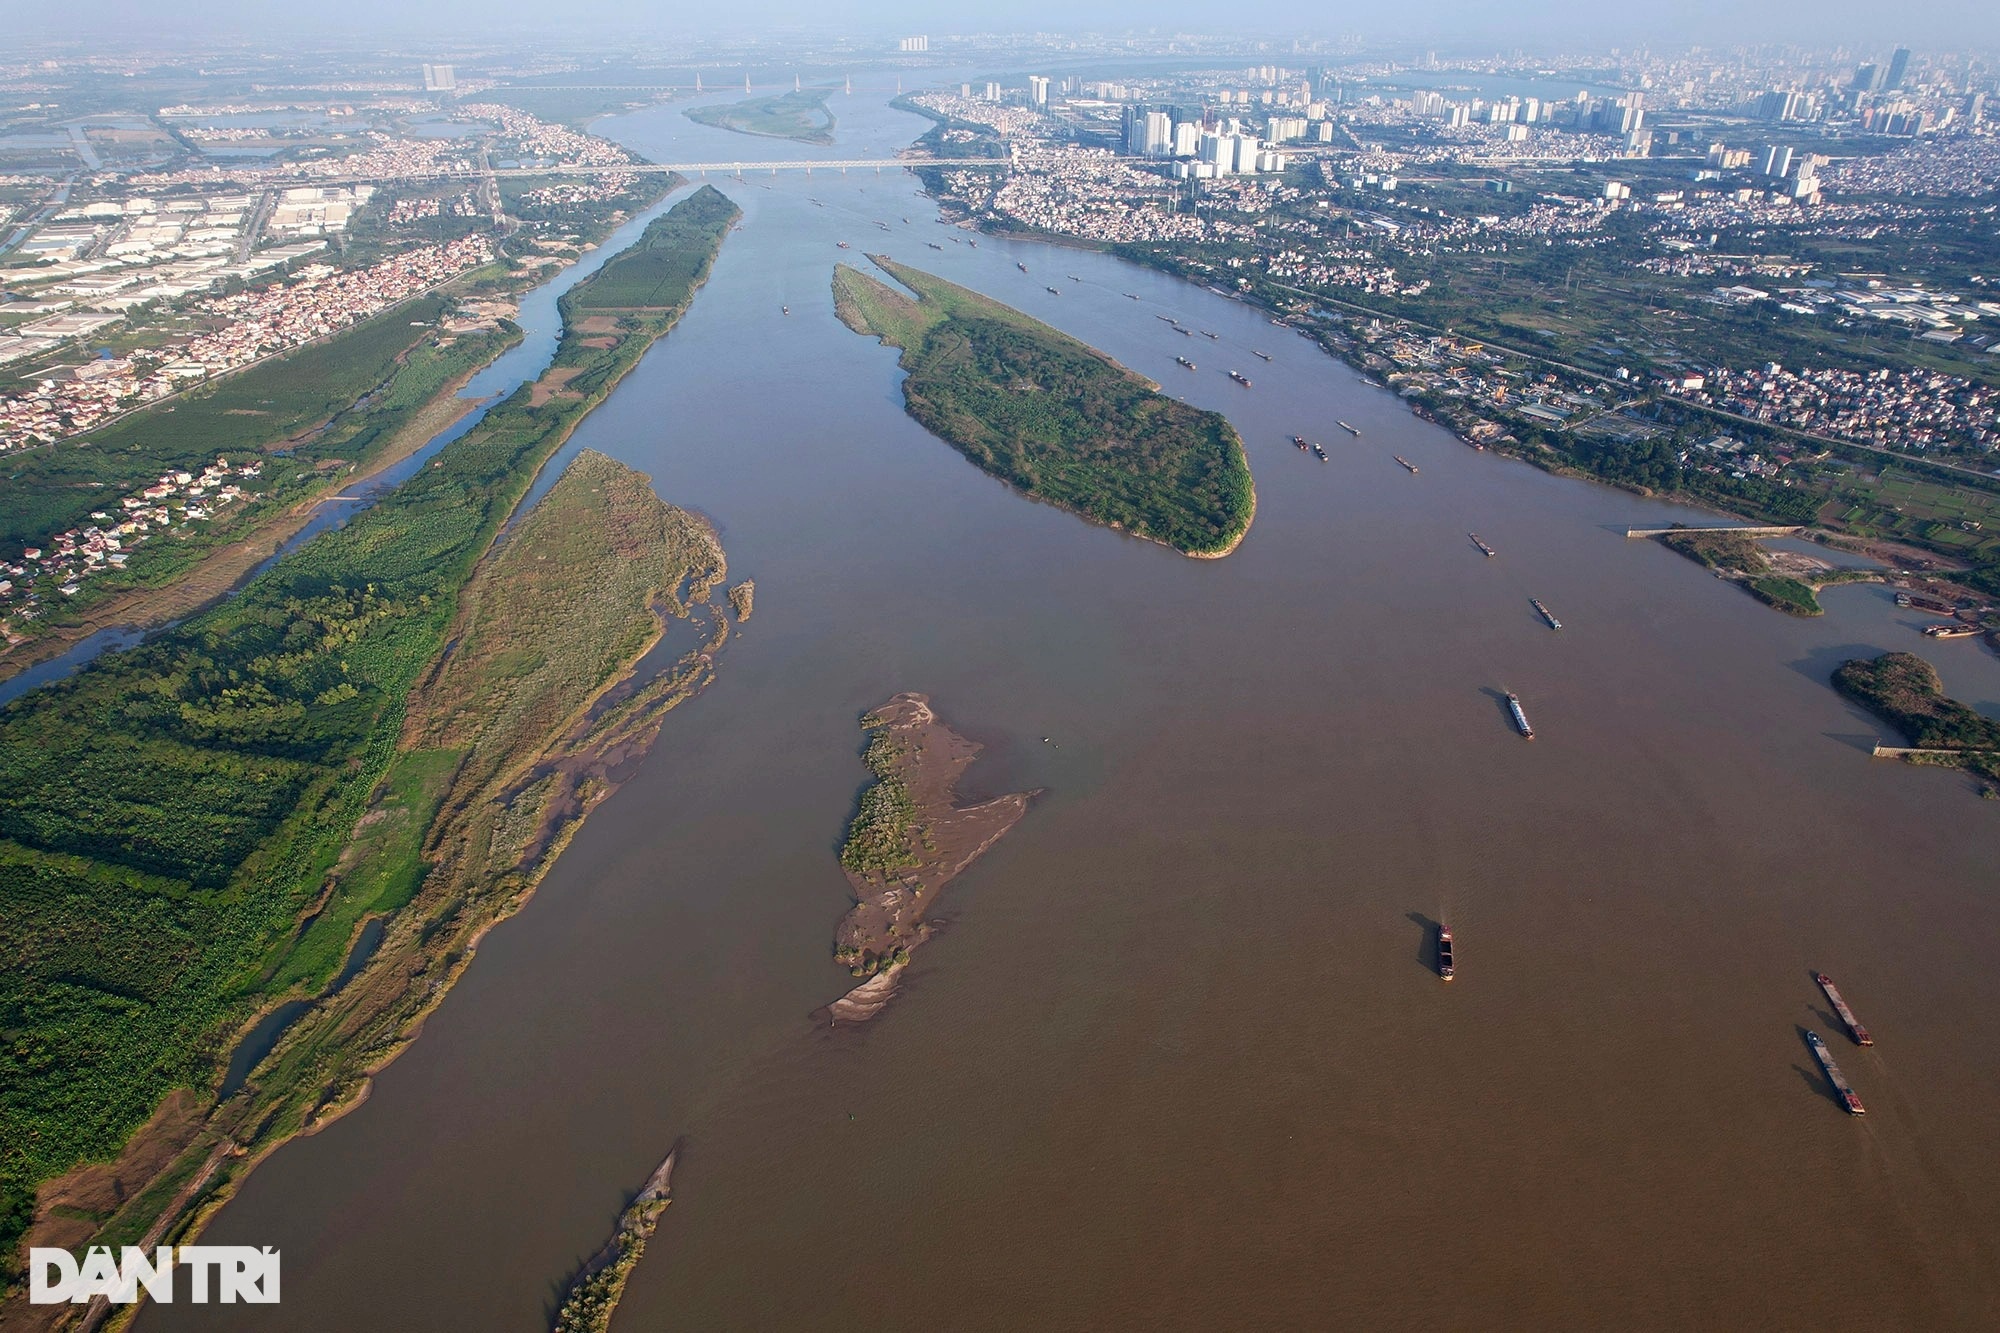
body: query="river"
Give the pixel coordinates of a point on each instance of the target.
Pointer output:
(1180, 1059)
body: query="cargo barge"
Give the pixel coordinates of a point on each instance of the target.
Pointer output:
(1546, 614)
(1407, 463)
(1185, 362)
(1353, 430)
(1240, 378)
(1445, 970)
(1520, 715)
(1910, 601)
(1847, 1018)
(1951, 629)
(1486, 550)
(1834, 1076)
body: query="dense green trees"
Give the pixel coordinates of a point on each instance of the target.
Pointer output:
(1904, 690)
(169, 815)
(1055, 418)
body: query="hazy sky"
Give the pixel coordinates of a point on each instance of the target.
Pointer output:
(1954, 24)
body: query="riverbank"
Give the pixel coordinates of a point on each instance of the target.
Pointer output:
(908, 839)
(1053, 417)
(263, 799)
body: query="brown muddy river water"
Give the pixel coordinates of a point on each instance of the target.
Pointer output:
(1180, 1059)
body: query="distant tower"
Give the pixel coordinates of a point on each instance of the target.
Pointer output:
(795, 83)
(746, 80)
(849, 89)
(1899, 65)
(697, 83)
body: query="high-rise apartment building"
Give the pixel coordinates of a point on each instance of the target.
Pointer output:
(1899, 66)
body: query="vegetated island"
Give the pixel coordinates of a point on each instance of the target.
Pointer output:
(1054, 417)
(908, 839)
(800, 115)
(398, 721)
(1791, 584)
(1904, 690)
(595, 1292)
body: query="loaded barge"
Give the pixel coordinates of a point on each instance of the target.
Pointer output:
(1546, 614)
(1853, 1025)
(1520, 715)
(1407, 463)
(1834, 1076)
(1185, 362)
(1951, 629)
(1351, 430)
(1487, 550)
(1445, 971)
(1240, 378)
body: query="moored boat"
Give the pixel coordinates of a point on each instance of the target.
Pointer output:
(1951, 629)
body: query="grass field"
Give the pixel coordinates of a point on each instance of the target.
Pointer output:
(1053, 416)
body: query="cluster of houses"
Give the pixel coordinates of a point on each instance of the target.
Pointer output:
(240, 328)
(1916, 409)
(69, 558)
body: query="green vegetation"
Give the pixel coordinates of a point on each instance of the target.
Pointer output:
(180, 823)
(594, 1295)
(1904, 690)
(1787, 594)
(801, 115)
(1054, 417)
(1744, 561)
(878, 840)
(666, 264)
(280, 404)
